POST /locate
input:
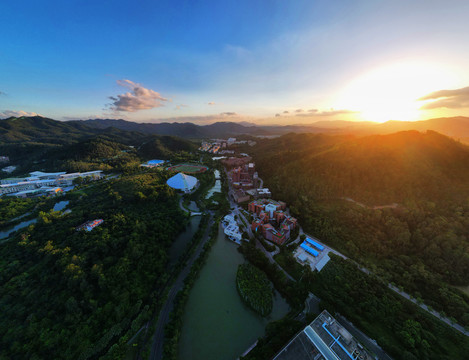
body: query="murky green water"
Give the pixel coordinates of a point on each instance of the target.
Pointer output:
(217, 324)
(181, 243)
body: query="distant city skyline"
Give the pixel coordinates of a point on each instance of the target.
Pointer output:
(257, 61)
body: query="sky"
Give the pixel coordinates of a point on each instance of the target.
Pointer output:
(272, 61)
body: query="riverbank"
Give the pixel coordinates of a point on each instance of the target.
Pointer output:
(216, 323)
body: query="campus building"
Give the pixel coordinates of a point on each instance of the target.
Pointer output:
(324, 339)
(40, 183)
(272, 220)
(182, 182)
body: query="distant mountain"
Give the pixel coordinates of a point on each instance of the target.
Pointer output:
(37, 129)
(457, 127)
(185, 130)
(30, 141)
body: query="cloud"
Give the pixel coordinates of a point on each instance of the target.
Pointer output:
(3, 93)
(228, 114)
(179, 106)
(10, 113)
(313, 110)
(139, 98)
(451, 99)
(331, 112)
(211, 103)
(299, 110)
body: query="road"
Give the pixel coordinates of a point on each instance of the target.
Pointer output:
(163, 318)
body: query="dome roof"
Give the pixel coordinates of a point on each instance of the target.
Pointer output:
(182, 182)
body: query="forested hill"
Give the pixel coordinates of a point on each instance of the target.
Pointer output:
(37, 143)
(376, 170)
(421, 244)
(37, 129)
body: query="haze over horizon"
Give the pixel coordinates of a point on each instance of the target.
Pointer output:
(263, 62)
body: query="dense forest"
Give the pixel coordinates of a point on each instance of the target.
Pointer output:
(401, 328)
(254, 288)
(419, 241)
(71, 294)
(37, 143)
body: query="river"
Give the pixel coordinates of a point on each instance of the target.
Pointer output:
(6, 233)
(217, 324)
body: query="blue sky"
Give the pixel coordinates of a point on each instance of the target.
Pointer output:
(196, 60)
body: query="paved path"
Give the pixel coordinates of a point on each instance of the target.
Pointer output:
(163, 318)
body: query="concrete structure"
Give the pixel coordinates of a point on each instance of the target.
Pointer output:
(39, 180)
(231, 141)
(240, 196)
(182, 182)
(9, 169)
(242, 177)
(231, 229)
(325, 338)
(90, 225)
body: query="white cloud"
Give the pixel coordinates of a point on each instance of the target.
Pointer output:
(139, 98)
(19, 113)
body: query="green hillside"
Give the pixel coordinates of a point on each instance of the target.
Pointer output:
(37, 143)
(419, 241)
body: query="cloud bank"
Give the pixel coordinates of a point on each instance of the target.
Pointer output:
(19, 113)
(450, 99)
(139, 98)
(317, 113)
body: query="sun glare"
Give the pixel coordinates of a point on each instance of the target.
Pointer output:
(391, 92)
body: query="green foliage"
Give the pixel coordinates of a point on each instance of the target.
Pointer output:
(397, 324)
(421, 244)
(278, 333)
(11, 208)
(70, 295)
(33, 142)
(254, 288)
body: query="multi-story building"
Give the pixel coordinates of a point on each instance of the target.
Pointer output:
(271, 219)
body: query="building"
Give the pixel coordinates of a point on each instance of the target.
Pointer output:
(231, 229)
(324, 339)
(9, 169)
(90, 225)
(4, 159)
(230, 141)
(41, 180)
(272, 220)
(240, 196)
(242, 176)
(182, 182)
(257, 206)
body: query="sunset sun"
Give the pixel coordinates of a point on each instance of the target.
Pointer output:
(391, 92)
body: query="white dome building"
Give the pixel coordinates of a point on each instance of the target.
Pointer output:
(182, 182)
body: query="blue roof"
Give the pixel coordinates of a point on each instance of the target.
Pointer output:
(182, 182)
(155, 162)
(315, 244)
(305, 247)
